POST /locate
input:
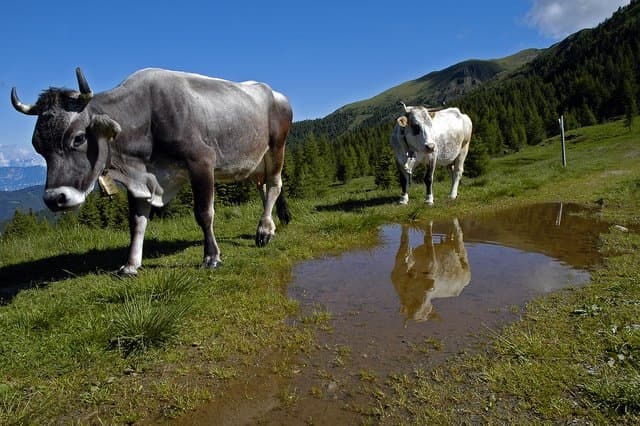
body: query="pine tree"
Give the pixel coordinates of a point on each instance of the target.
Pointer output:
(477, 161)
(385, 168)
(535, 129)
(67, 219)
(89, 214)
(21, 225)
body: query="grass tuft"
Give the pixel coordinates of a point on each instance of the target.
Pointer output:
(141, 324)
(616, 392)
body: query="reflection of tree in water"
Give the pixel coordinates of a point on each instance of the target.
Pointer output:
(430, 271)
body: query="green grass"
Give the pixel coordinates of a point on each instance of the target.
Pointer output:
(79, 345)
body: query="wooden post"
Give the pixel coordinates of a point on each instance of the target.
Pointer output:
(564, 155)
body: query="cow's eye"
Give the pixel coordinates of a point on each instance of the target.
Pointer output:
(78, 140)
(415, 128)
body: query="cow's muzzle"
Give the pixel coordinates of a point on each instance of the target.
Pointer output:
(63, 198)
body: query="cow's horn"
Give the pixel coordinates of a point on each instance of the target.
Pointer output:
(19, 106)
(83, 85)
(404, 106)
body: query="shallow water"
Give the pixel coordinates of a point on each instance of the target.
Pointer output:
(427, 292)
(447, 282)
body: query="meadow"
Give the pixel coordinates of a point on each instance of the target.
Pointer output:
(79, 344)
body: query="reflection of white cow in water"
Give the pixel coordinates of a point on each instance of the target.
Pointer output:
(424, 136)
(429, 271)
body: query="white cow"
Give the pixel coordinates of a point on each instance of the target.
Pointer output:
(431, 137)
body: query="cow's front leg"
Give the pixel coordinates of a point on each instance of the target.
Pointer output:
(405, 180)
(428, 178)
(139, 210)
(202, 185)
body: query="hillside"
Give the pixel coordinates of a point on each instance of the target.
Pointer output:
(430, 89)
(14, 178)
(590, 77)
(24, 199)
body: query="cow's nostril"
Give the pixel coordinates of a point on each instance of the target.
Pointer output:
(61, 199)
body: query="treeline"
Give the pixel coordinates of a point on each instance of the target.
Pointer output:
(112, 212)
(589, 78)
(315, 163)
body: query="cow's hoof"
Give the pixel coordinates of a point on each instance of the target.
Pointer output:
(127, 271)
(262, 239)
(211, 263)
(429, 203)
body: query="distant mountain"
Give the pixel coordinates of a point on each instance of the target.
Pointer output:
(431, 89)
(23, 199)
(588, 78)
(14, 178)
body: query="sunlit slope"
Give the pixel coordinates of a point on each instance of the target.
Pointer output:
(430, 89)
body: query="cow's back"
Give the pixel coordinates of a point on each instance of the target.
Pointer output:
(453, 130)
(190, 115)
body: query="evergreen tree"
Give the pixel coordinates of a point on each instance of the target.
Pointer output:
(67, 219)
(477, 161)
(346, 164)
(385, 168)
(21, 225)
(89, 214)
(629, 98)
(535, 129)
(235, 192)
(585, 116)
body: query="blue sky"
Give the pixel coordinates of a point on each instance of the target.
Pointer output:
(321, 54)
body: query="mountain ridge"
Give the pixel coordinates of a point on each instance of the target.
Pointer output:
(432, 88)
(24, 199)
(14, 178)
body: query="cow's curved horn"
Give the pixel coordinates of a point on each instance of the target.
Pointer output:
(85, 90)
(404, 106)
(19, 106)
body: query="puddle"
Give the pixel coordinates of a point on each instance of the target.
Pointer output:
(447, 283)
(426, 293)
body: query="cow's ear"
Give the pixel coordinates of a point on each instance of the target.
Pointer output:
(402, 121)
(103, 126)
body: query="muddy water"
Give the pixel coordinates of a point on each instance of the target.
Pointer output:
(424, 294)
(446, 284)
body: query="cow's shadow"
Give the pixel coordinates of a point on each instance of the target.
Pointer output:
(355, 205)
(40, 273)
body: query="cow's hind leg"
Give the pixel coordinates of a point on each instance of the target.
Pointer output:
(457, 169)
(273, 162)
(266, 226)
(203, 190)
(139, 210)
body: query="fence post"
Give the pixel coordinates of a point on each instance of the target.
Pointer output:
(564, 155)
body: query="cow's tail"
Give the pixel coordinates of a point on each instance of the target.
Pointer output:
(282, 208)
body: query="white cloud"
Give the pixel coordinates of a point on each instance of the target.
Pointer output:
(15, 156)
(558, 18)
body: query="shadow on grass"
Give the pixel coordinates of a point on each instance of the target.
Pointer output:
(356, 205)
(42, 272)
